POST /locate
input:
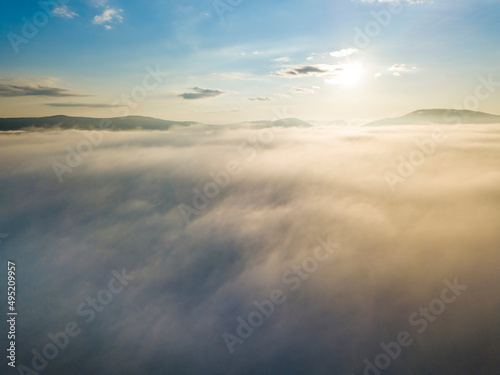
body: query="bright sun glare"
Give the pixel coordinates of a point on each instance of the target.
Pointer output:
(349, 75)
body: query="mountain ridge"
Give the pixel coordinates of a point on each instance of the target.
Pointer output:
(63, 122)
(88, 123)
(439, 116)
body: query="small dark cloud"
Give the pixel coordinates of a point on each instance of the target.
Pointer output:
(260, 99)
(7, 90)
(301, 70)
(84, 105)
(201, 93)
(299, 90)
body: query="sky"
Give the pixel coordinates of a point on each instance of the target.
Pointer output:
(227, 61)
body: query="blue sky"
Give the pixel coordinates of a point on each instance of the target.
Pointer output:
(301, 58)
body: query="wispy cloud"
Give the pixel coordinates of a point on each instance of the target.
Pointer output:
(397, 69)
(260, 99)
(344, 52)
(332, 74)
(305, 70)
(282, 59)
(83, 105)
(300, 90)
(201, 93)
(100, 3)
(12, 90)
(63, 11)
(108, 16)
(234, 76)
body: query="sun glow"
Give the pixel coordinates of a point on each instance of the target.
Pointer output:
(348, 74)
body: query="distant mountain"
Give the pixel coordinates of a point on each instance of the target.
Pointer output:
(88, 123)
(439, 116)
(120, 123)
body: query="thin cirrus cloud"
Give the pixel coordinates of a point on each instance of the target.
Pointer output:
(81, 105)
(300, 90)
(100, 3)
(63, 11)
(10, 90)
(260, 99)
(201, 93)
(397, 69)
(234, 76)
(344, 52)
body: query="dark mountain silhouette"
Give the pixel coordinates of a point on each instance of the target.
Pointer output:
(119, 123)
(420, 117)
(439, 116)
(88, 123)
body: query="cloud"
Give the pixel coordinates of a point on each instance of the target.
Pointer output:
(63, 11)
(202, 93)
(344, 52)
(119, 209)
(305, 70)
(332, 74)
(397, 69)
(299, 90)
(100, 3)
(82, 105)
(234, 76)
(282, 59)
(12, 90)
(260, 99)
(109, 15)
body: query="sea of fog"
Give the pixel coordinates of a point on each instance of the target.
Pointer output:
(213, 250)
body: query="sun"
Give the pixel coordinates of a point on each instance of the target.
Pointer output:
(347, 74)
